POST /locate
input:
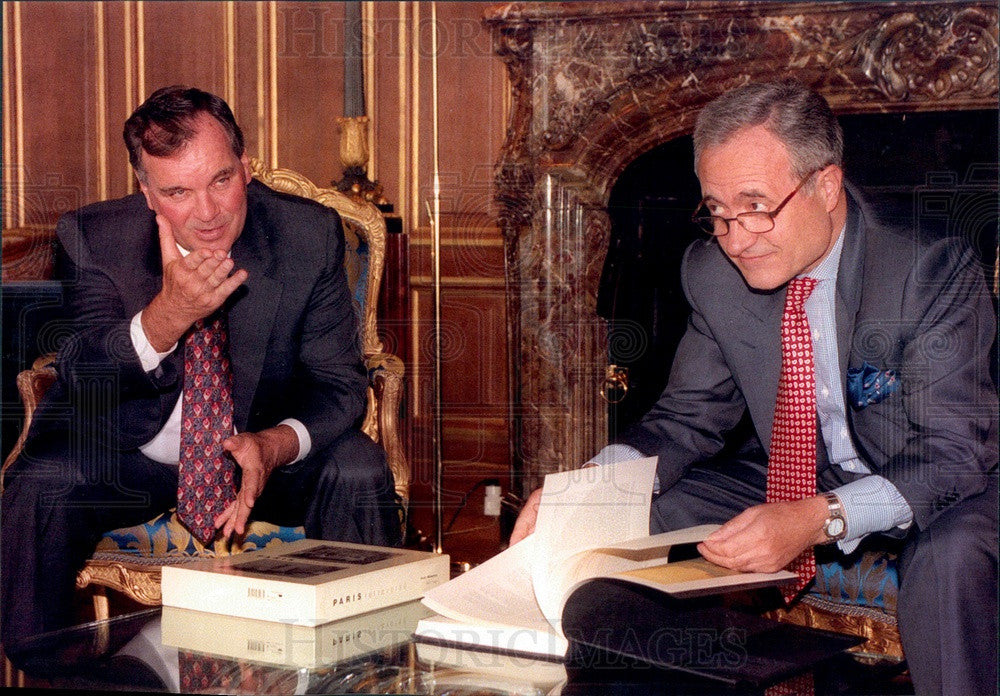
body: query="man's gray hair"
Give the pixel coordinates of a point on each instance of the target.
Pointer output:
(799, 117)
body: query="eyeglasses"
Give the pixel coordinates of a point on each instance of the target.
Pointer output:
(754, 221)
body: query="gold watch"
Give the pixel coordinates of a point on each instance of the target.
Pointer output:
(835, 526)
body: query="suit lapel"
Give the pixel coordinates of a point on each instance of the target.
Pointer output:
(759, 326)
(850, 276)
(252, 310)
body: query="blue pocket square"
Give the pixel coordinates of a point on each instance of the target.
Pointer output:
(867, 385)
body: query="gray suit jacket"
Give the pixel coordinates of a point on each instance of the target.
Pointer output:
(918, 307)
(293, 329)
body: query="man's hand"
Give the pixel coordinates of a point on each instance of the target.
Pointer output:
(766, 538)
(257, 454)
(194, 286)
(525, 523)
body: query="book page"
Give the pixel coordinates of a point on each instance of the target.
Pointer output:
(583, 509)
(496, 592)
(697, 576)
(645, 561)
(614, 560)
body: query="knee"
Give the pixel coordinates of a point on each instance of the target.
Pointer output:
(355, 462)
(38, 481)
(670, 511)
(960, 551)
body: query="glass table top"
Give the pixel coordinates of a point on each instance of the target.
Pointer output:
(176, 650)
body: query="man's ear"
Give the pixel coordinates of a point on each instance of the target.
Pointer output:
(144, 187)
(245, 161)
(830, 182)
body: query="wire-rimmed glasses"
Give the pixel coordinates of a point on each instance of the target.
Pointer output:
(754, 221)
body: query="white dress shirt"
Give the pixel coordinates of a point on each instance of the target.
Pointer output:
(165, 446)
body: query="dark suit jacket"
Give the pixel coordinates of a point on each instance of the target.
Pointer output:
(915, 306)
(293, 329)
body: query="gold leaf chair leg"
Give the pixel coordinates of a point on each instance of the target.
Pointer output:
(12, 677)
(100, 598)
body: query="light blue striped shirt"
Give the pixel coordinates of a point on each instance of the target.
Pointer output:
(871, 503)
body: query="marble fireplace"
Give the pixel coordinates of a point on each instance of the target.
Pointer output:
(593, 85)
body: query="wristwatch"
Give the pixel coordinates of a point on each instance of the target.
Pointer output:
(835, 526)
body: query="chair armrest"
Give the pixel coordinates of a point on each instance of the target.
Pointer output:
(385, 392)
(31, 385)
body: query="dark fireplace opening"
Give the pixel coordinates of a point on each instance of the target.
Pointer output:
(934, 171)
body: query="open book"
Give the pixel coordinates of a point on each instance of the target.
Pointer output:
(592, 523)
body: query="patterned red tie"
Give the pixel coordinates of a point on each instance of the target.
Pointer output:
(205, 484)
(791, 470)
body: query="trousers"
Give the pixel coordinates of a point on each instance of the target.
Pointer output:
(55, 508)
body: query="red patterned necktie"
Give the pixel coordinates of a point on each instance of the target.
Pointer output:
(205, 484)
(791, 469)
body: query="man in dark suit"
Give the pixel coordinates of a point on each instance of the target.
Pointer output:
(902, 330)
(201, 240)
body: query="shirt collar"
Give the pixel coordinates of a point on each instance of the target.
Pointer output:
(185, 252)
(827, 269)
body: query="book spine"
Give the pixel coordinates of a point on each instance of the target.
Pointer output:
(239, 595)
(380, 588)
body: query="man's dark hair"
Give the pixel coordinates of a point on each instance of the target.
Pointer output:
(165, 122)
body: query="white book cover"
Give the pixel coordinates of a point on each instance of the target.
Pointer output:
(306, 582)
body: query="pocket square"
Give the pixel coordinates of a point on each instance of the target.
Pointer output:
(867, 385)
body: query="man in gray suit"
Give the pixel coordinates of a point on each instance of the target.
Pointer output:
(902, 331)
(140, 271)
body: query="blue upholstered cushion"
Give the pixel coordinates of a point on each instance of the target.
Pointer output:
(865, 579)
(164, 539)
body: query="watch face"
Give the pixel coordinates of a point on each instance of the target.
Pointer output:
(835, 527)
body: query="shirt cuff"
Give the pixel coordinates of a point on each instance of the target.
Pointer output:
(148, 356)
(305, 442)
(871, 504)
(617, 453)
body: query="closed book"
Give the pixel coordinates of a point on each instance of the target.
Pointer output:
(290, 645)
(305, 582)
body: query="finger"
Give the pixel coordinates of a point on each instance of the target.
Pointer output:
(238, 521)
(208, 265)
(220, 272)
(229, 285)
(722, 559)
(732, 528)
(235, 444)
(230, 525)
(524, 525)
(168, 245)
(225, 515)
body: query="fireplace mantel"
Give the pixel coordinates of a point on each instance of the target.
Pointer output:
(595, 84)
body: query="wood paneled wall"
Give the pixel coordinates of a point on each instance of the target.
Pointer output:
(73, 71)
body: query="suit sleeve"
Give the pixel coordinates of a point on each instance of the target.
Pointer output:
(700, 404)
(99, 370)
(331, 390)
